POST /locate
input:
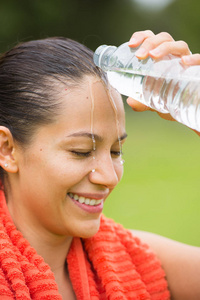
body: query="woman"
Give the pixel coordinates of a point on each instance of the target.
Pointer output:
(61, 132)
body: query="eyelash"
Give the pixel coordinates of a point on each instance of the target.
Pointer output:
(117, 153)
(82, 154)
(88, 154)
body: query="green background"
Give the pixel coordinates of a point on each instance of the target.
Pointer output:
(159, 191)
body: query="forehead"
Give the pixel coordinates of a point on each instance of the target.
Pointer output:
(93, 102)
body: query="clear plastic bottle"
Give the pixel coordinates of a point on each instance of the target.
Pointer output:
(165, 85)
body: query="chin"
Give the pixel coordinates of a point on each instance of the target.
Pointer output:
(89, 229)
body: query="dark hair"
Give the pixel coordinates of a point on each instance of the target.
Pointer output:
(28, 75)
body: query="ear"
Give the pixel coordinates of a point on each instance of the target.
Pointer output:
(7, 151)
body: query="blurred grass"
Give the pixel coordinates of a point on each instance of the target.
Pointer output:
(159, 191)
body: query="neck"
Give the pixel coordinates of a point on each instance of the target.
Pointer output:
(53, 248)
(54, 253)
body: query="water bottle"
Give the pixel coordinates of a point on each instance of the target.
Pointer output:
(165, 85)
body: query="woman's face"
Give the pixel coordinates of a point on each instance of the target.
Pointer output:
(55, 190)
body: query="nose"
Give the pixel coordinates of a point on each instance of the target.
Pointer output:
(106, 172)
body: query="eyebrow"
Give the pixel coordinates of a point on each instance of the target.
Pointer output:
(95, 136)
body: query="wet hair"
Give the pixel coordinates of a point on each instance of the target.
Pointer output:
(29, 74)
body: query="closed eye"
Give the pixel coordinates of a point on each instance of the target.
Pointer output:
(81, 154)
(89, 153)
(116, 153)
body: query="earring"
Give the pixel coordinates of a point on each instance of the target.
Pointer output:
(93, 170)
(5, 165)
(122, 161)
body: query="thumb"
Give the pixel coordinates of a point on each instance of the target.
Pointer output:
(136, 105)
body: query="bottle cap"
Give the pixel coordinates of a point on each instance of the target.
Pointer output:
(98, 53)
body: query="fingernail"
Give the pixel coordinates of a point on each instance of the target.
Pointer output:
(132, 41)
(141, 52)
(155, 52)
(186, 59)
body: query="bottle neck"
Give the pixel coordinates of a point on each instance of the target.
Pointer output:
(102, 56)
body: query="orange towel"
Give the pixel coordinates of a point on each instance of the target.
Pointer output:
(111, 265)
(118, 266)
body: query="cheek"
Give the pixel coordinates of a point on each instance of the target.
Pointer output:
(58, 167)
(66, 174)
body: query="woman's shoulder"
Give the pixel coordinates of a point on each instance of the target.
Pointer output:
(181, 263)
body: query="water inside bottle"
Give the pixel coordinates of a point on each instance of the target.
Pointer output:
(135, 86)
(166, 85)
(178, 96)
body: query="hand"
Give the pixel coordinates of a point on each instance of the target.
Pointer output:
(157, 46)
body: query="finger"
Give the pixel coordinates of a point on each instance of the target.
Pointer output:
(136, 106)
(151, 43)
(193, 59)
(139, 107)
(167, 117)
(139, 36)
(177, 48)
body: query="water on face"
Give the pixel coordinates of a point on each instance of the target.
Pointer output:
(92, 119)
(113, 104)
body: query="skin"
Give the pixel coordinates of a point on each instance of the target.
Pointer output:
(59, 161)
(180, 261)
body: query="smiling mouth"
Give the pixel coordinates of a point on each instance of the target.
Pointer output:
(83, 200)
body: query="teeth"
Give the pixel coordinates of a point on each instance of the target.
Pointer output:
(87, 201)
(80, 199)
(92, 202)
(75, 197)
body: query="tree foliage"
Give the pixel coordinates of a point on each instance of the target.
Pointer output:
(94, 22)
